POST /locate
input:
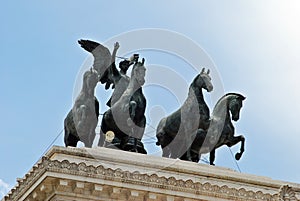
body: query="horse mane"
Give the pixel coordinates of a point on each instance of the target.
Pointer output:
(194, 80)
(241, 97)
(233, 94)
(236, 94)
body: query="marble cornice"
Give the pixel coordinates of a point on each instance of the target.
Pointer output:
(137, 178)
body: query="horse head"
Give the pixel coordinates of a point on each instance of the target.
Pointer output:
(221, 129)
(203, 80)
(235, 104)
(138, 72)
(90, 79)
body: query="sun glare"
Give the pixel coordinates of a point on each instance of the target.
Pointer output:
(286, 15)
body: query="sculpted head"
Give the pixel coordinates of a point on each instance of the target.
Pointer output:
(235, 105)
(90, 78)
(203, 80)
(139, 72)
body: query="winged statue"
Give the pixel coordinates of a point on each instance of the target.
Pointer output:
(123, 95)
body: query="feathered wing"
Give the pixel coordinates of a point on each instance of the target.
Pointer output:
(102, 55)
(102, 62)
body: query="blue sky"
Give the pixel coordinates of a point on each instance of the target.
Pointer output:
(254, 45)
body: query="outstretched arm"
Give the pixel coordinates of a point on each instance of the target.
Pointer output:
(116, 47)
(113, 71)
(111, 75)
(114, 74)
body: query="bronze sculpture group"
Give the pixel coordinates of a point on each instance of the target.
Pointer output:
(186, 133)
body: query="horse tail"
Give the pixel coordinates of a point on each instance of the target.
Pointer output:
(66, 132)
(71, 137)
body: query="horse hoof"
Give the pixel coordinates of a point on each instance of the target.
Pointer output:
(134, 150)
(238, 156)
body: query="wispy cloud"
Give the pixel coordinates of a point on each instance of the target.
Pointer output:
(4, 188)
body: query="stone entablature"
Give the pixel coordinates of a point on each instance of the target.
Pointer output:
(107, 174)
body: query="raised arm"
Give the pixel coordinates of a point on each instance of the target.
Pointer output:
(113, 71)
(111, 74)
(116, 47)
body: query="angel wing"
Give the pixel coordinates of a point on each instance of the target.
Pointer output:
(104, 62)
(102, 55)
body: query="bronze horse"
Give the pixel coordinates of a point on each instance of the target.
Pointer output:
(126, 117)
(175, 132)
(221, 129)
(81, 121)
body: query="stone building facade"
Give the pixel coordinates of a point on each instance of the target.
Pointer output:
(101, 174)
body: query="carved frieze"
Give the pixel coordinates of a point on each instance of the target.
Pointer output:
(286, 193)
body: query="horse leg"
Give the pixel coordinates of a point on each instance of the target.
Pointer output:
(103, 130)
(212, 156)
(133, 132)
(135, 145)
(235, 140)
(132, 108)
(71, 136)
(242, 149)
(166, 152)
(101, 139)
(189, 140)
(91, 138)
(71, 140)
(195, 157)
(188, 155)
(192, 155)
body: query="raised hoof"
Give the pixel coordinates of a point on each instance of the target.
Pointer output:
(238, 156)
